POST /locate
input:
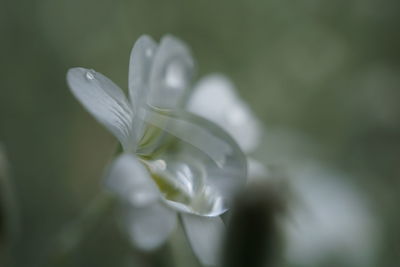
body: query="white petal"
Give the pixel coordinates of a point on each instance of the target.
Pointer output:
(140, 64)
(149, 227)
(104, 100)
(171, 73)
(131, 181)
(214, 150)
(217, 148)
(205, 236)
(141, 60)
(187, 127)
(215, 98)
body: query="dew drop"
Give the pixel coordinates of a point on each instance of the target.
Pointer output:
(90, 74)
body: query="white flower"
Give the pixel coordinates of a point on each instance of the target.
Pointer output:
(329, 221)
(173, 162)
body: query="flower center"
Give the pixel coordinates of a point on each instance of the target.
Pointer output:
(183, 187)
(196, 170)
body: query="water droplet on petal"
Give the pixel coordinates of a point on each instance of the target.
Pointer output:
(90, 75)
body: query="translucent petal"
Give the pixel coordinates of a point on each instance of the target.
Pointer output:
(141, 60)
(198, 132)
(130, 180)
(171, 74)
(202, 167)
(215, 98)
(104, 100)
(205, 236)
(152, 140)
(149, 227)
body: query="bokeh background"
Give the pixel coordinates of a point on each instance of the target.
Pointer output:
(322, 76)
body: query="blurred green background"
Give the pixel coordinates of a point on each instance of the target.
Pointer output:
(326, 69)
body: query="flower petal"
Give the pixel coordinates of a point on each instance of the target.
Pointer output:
(205, 236)
(104, 100)
(131, 181)
(171, 73)
(215, 98)
(149, 227)
(141, 60)
(198, 132)
(140, 64)
(205, 155)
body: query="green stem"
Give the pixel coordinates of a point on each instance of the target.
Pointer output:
(73, 234)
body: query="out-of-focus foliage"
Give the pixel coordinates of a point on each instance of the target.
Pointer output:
(328, 70)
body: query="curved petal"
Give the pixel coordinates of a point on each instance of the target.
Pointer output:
(205, 236)
(104, 100)
(198, 132)
(140, 63)
(149, 227)
(130, 180)
(141, 60)
(215, 98)
(171, 73)
(205, 155)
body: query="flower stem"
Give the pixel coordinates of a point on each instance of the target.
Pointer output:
(70, 238)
